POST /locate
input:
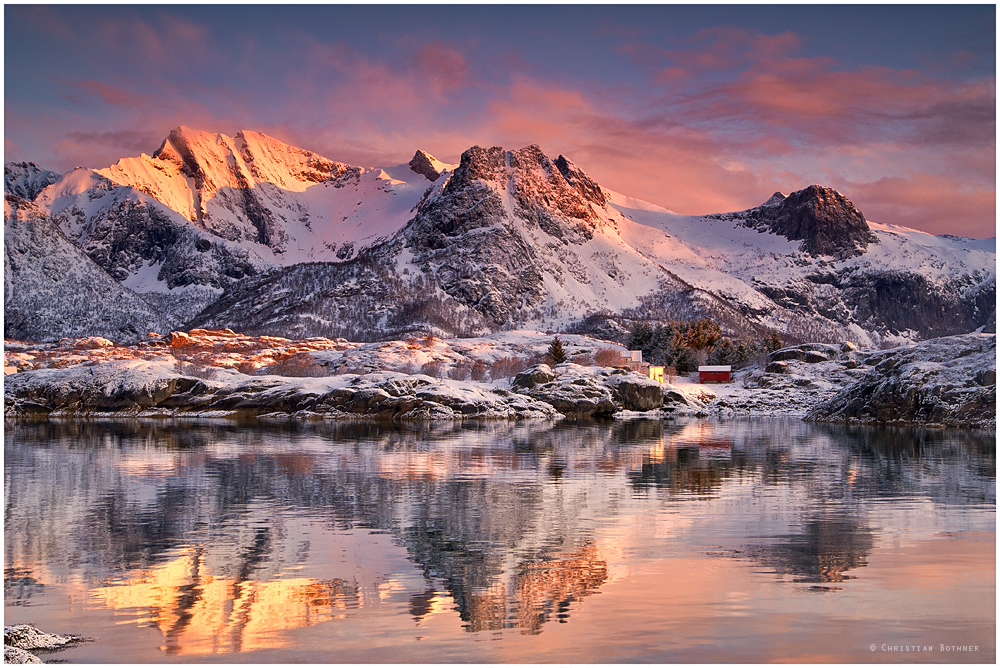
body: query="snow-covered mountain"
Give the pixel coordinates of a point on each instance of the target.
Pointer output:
(51, 289)
(251, 233)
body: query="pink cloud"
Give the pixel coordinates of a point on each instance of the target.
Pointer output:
(929, 202)
(721, 122)
(80, 92)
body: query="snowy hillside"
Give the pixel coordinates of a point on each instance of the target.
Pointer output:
(251, 233)
(52, 290)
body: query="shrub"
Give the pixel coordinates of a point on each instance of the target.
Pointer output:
(432, 369)
(460, 371)
(246, 367)
(408, 368)
(506, 367)
(607, 356)
(196, 370)
(583, 359)
(478, 370)
(300, 365)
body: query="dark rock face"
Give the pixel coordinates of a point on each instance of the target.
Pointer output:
(826, 221)
(26, 180)
(126, 235)
(466, 239)
(637, 393)
(53, 290)
(421, 164)
(362, 299)
(897, 301)
(949, 381)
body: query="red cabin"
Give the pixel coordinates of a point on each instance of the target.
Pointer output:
(715, 374)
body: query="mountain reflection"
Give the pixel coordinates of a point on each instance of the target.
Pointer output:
(200, 613)
(826, 549)
(206, 531)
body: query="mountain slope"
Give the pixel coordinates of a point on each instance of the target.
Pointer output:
(52, 290)
(251, 233)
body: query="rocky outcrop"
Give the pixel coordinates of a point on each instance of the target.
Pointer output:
(540, 374)
(899, 301)
(825, 221)
(146, 389)
(363, 299)
(586, 392)
(479, 236)
(423, 163)
(26, 179)
(149, 389)
(636, 392)
(811, 352)
(948, 381)
(20, 641)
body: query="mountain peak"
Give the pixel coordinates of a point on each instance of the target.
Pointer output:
(26, 179)
(824, 220)
(425, 164)
(774, 200)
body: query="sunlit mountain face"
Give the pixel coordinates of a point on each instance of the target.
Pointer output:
(249, 233)
(221, 539)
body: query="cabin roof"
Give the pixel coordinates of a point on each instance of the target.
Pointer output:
(715, 368)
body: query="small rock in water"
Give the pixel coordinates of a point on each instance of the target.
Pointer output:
(18, 639)
(18, 655)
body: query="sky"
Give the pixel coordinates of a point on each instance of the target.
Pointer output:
(697, 108)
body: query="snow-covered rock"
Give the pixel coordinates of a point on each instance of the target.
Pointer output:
(20, 638)
(142, 388)
(949, 381)
(580, 391)
(26, 179)
(26, 636)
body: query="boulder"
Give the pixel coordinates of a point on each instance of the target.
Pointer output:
(636, 392)
(180, 340)
(949, 381)
(536, 375)
(18, 655)
(580, 398)
(807, 352)
(786, 354)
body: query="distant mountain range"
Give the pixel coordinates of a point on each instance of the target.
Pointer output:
(250, 233)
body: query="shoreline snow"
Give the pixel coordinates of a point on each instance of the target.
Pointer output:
(942, 382)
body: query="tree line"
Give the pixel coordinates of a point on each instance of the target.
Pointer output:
(685, 345)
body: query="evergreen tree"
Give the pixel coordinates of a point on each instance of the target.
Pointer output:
(723, 353)
(772, 341)
(556, 352)
(640, 337)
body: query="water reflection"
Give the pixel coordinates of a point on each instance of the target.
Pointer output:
(822, 553)
(224, 536)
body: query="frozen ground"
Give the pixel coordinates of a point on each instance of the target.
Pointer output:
(949, 381)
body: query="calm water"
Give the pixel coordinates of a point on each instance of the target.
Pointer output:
(640, 541)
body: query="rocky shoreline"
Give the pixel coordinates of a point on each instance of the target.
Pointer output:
(942, 382)
(22, 641)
